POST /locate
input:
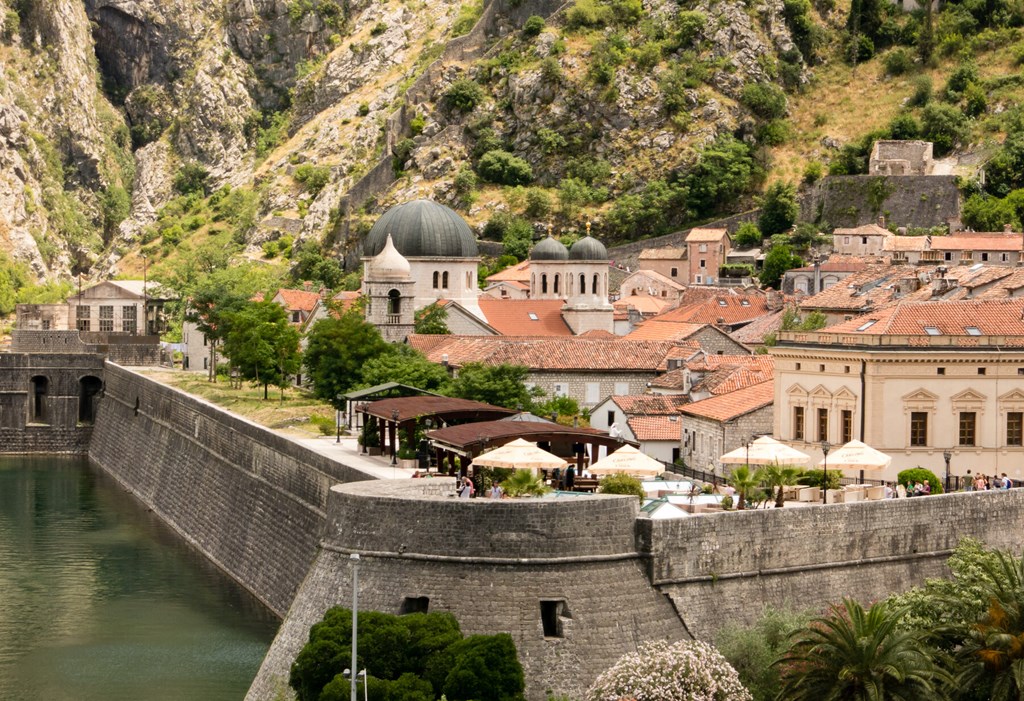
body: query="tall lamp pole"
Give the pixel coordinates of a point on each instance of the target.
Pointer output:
(354, 559)
(947, 456)
(825, 447)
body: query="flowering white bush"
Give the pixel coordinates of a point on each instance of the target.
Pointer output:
(658, 671)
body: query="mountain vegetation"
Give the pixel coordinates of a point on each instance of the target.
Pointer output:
(147, 134)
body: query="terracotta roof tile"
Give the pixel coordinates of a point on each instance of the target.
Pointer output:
(905, 243)
(520, 272)
(662, 254)
(706, 235)
(991, 317)
(724, 308)
(765, 363)
(656, 428)
(864, 230)
(656, 330)
(977, 242)
(525, 317)
(649, 404)
(728, 406)
(572, 353)
(837, 264)
(298, 300)
(861, 291)
(645, 304)
(656, 277)
(754, 332)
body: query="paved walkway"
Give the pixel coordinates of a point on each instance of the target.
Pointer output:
(347, 453)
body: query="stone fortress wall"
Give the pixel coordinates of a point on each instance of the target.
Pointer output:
(251, 500)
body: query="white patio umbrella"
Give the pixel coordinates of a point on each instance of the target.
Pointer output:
(766, 451)
(627, 460)
(519, 455)
(857, 456)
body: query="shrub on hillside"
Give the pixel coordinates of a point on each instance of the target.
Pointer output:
(765, 100)
(464, 95)
(503, 168)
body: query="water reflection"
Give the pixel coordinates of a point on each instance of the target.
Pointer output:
(99, 600)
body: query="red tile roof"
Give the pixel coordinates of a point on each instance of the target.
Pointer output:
(706, 235)
(658, 330)
(298, 300)
(864, 230)
(645, 304)
(662, 254)
(656, 428)
(728, 406)
(992, 317)
(577, 353)
(838, 264)
(515, 317)
(649, 404)
(977, 242)
(724, 308)
(764, 363)
(753, 333)
(520, 272)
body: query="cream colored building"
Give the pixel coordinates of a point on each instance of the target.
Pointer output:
(913, 380)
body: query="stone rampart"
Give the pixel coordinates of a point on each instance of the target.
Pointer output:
(40, 395)
(498, 566)
(251, 500)
(722, 568)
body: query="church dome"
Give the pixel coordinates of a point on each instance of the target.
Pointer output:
(588, 248)
(389, 264)
(549, 249)
(422, 229)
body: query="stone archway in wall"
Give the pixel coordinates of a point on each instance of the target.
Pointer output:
(89, 389)
(39, 387)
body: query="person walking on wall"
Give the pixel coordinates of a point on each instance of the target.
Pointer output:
(570, 477)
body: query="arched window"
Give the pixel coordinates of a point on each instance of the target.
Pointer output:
(435, 279)
(89, 388)
(583, 284)
(544, 284)
(444, 280)
(37, 400)
(556, 284)
(394, 302)
(593, 290)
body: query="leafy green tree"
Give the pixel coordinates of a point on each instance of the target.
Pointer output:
(501, 385)
(485, 668)
(215, 297)
(982, 212)
(747, 235)
(752, 651)
(861, 656)
(115, 205)
(262, 345)
(621, 484)
(191, 178)
(944, 125)
(14, 278)
(765, 100)
(405, 365)
(1005, 171)
(779, 259)
(337, 349)
(778, 209)
(502, 167)
(724, 171)
(517, 238)
(432, 320)
(908, 478)
(652, 211)
(464, 95)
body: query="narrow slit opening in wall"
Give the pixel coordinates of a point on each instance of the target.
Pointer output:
(415, 604)
(551, 614)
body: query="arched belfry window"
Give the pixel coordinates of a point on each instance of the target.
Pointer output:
(444, 280)
(544, 283)
(583, 284)
(556, 283)
(394, 302)
(37, 399)
(435, 279)
(593, 289)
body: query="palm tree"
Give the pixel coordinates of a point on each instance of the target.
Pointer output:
(525, 483)
(745, 483)
(776, 476)
(857, 655)
(991, 654)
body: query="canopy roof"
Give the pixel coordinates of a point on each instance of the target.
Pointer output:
(765, 451)
(857, 456)
(444, 408)
(469, 438)
(627, 460)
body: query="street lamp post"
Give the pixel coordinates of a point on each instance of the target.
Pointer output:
(354, 559)
(825, 447)
(394, 438)
(947, 456)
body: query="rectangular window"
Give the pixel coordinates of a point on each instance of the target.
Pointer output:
(981, 371)
(106, 318)
(703, 248)
(675, 272)
(82, 314)
(967, 427)
(611, 418)
(561, 390)
(822, 424)
(984, 257)
(940, 371)
(415, 604)
(919, 428)
(847, 418)
(798, 423)
(1015, 428)
(129, 316)
(593, 392)
(550, 616)
(703, 263)
(622, 388)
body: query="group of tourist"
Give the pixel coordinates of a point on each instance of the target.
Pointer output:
(982, 483)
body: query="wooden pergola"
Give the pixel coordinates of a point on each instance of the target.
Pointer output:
(569, 442)
(393, 417)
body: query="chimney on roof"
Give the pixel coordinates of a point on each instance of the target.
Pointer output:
(881, 220)
(307, 285)
(444, 360)
(773, 300)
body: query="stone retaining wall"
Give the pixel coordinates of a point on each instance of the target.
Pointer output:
(251, 500)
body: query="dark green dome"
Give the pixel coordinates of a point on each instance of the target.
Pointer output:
(588, 248)
(422, 228)
(549, 249)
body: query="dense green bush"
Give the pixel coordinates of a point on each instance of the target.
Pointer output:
(944, 126)
(747, 235)
(813, 478)
(621, 484)
(503, 168)
(764, 99)
(533, 26)
(898, 61)
(725, 170)
(919, 474)
(778, 209)
(191, 178)
(313, 178)
(464, 95)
